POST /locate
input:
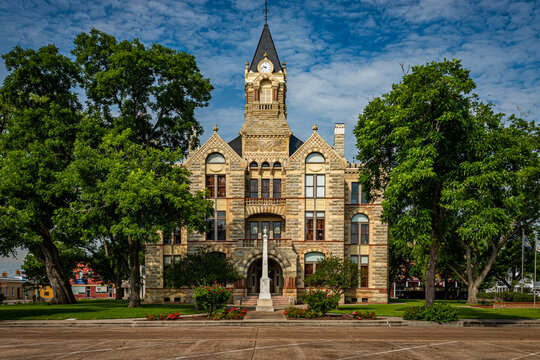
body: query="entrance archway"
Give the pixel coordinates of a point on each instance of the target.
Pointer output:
(275, 273)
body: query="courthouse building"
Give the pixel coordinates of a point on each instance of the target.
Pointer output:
(303, 192)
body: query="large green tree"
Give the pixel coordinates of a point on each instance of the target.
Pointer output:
(39, 119)
(411, 142)
(495, 195)
(141, 102)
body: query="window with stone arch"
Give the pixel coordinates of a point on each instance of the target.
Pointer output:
(310, 262)
(315, 177)
(360, 229)
(265, 92)
(215, 182)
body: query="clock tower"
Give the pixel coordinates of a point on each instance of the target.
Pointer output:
(265, 128)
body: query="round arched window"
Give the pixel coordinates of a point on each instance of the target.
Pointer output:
(277, 164)
(360, 229)
(215, 158)
(310, 262)
(265, 164)
(253, 164)
(315, 158)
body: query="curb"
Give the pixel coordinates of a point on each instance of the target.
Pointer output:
(382, 322)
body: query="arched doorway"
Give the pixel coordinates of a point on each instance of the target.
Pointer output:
(275, 273)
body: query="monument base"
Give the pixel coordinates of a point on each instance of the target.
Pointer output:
(265, 305)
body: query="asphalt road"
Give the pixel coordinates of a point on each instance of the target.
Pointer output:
(270, 342)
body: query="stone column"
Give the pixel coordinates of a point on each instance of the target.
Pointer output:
(264, 302)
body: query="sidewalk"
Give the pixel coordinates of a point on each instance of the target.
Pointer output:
(275, 318)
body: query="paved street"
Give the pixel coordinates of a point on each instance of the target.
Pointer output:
(272, 342)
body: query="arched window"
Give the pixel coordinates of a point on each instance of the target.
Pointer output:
(310, 262)
(315, 158)
(215, 184)
(215, 158)
(253, 164)
(277, 164)
(265, 92)
(360, 229)
(265, 164)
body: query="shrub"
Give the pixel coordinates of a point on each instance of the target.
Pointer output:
(201, 268)
(519, 297)
(211, 298)
(170, 316)
(441, 313)
(334, 273)
(414, 313)
(505, 296)
(233, 313)
(2, 298)
(321, 300)
(357, 315)
(296, 313)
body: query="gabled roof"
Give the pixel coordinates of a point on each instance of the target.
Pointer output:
(294, 144)
(266, 45)
(236, 145)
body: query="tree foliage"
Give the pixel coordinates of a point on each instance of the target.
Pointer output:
(334, 273)
(450, 171)
(141, 101)
(200, 269)
(40, 117)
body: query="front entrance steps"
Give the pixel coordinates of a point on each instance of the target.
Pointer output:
(279, 301)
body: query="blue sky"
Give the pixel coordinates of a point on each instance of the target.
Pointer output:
(339, 54)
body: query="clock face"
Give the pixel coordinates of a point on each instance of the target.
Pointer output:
(266, 67)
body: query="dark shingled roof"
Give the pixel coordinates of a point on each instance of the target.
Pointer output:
(294, 144)
(266, 45)
(236, 145)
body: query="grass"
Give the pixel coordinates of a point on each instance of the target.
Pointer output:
(87, 310)
(117, 309)
(464, 311)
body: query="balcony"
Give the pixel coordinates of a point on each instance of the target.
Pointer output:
(265, 205)
(258, 243)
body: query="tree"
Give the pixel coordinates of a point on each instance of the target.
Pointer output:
(40, 117)
(200, 269)
(334, 273)
(144, 99)
(410, 141)
(495, 194)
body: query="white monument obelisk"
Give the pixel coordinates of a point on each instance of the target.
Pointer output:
(264, 302)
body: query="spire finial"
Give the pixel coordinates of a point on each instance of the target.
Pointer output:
(315, 127)
(266, 11)
(215, 128)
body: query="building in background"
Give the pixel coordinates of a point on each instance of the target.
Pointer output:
(87, 285)
(305, 194)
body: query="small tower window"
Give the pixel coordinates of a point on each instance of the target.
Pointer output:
(265, 92)
(253, 164)
(265, 164)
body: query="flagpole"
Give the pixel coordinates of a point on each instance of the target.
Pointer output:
(522, 256)
(535, 251)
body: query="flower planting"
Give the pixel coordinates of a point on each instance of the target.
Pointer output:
(296, 313)
(233, 313)
(321, 300)
(358, 315)
(211, 298)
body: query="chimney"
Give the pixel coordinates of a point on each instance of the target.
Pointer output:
(339, 139)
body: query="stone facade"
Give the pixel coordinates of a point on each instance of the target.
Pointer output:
(305, 193)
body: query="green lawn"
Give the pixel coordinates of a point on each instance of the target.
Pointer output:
(86, 310)
(464, 312)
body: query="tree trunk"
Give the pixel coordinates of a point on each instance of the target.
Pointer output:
(431, 270)
(118, 281)
(472, 292)
(62, 293)
(134, 273)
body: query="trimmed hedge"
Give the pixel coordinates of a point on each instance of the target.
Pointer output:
(505, 296)
(438, 312)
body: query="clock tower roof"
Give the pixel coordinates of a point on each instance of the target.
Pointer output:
(265, 47)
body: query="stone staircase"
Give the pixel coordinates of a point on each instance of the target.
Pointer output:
(280, 302)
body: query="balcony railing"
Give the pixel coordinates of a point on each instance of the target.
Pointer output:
(265, 201)
(252, 243)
